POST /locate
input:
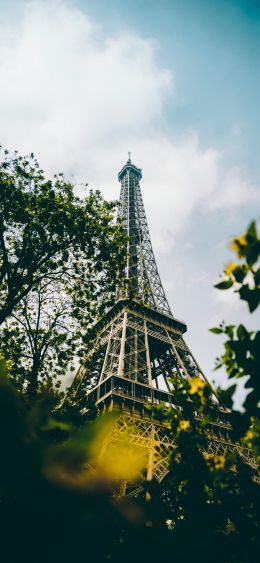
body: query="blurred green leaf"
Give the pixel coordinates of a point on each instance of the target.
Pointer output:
(226, 284)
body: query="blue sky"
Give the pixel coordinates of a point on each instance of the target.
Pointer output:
(213, 49)
(177, 83)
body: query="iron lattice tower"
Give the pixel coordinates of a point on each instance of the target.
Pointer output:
(144, 283)
(139, 345)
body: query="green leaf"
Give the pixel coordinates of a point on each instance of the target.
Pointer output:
(242, 333)
(252, 252)
(226, 284)
(251, 231)
(257, 277)
(229, 330)
(226, 395)
(239, 273)
(216, 330)
(252, 296)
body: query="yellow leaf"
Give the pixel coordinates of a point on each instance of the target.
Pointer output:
(122, 461)
(196, 385)
(249, 438)
(249, 435)
(229, 268)
(219, 461)
(116, 459)
(215, 461)
(237, 243)
(96, 459)
(241, 239)
(207, 456)
(184, 424)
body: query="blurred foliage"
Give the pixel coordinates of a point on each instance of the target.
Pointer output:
(241, 356)
(57, 485)
(244, 275)
(211, 500)
(56, 488)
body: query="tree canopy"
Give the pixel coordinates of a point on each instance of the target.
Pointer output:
(60, 261)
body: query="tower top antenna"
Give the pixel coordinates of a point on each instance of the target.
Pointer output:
(129, 156)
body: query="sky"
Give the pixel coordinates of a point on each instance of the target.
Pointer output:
(175, 82)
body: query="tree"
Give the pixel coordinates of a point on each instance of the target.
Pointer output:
(41, 338)
(46, 233)
(61, 258)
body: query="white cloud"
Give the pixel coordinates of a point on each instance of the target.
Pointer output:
(81, 98)
(235, 190)
(69, 89)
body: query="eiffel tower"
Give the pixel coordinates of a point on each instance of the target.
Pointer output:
(138, 346)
